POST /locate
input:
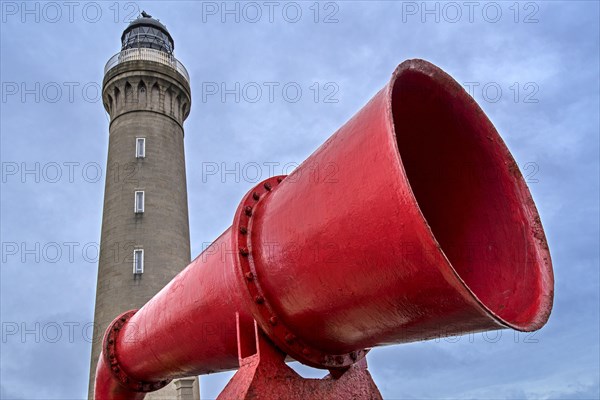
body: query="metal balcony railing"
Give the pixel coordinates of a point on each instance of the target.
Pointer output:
(148, 55)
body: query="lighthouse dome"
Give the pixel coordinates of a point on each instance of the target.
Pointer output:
(147, 32)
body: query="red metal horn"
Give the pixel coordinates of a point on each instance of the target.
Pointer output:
(412, 221)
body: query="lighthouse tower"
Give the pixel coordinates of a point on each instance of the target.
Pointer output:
(145, 238)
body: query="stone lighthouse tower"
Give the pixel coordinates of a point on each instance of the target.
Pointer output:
(145, 238)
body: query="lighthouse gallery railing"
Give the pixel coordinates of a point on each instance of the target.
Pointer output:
(147, 55)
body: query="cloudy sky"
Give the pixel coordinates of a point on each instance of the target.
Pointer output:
(532, 66)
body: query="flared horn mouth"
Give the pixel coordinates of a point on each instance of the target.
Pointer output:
(472, 195)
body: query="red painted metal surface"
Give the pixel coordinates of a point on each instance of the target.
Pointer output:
(264, 374)
(411, 222)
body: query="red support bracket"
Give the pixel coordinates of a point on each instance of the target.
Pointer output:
(263, 374)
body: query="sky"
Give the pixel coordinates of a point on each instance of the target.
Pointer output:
(532, 66)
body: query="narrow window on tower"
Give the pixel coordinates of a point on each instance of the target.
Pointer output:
(139, 202)
(140, 147)
(138, 261)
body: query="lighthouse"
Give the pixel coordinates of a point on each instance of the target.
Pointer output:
(145, 238)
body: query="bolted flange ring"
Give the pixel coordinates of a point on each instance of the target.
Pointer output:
(110, 351)
(258, 300)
